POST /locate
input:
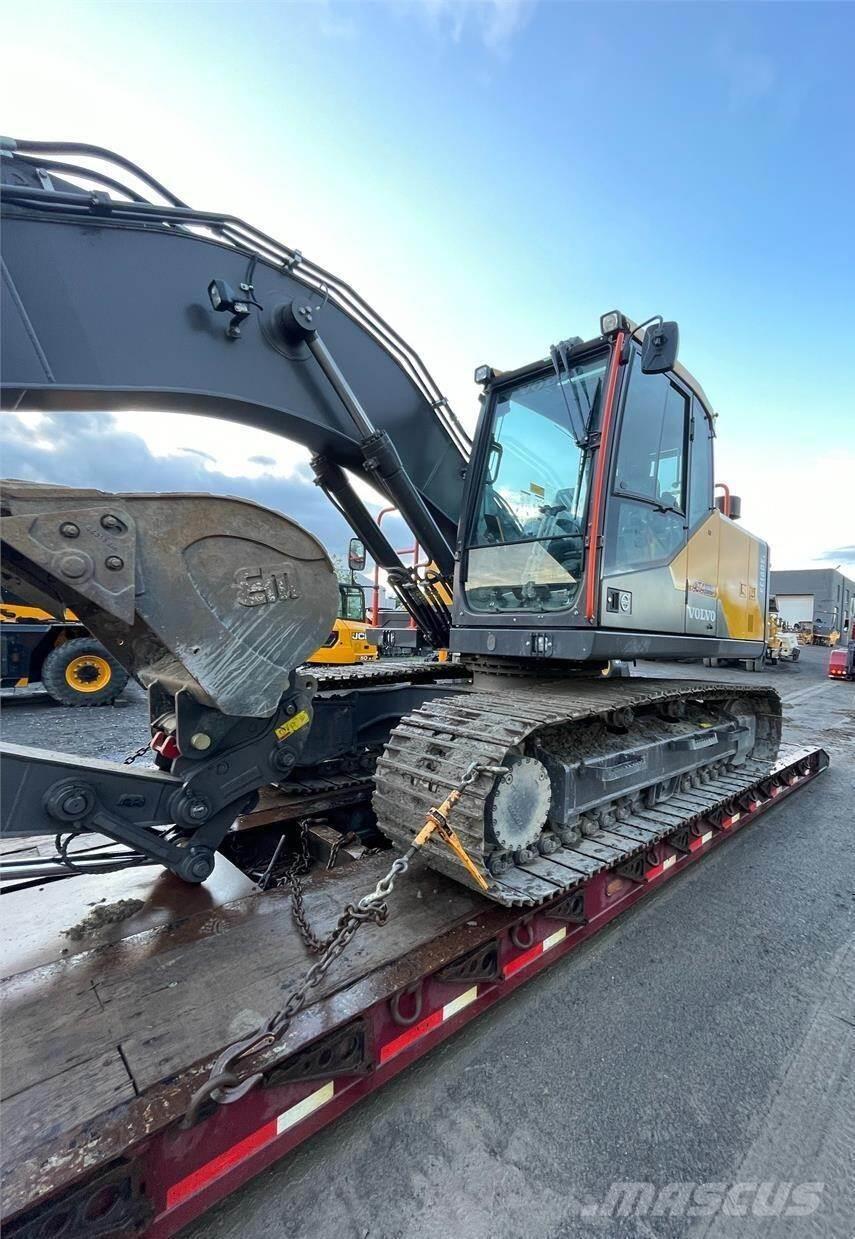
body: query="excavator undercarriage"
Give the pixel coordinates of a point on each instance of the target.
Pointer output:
(595, 773)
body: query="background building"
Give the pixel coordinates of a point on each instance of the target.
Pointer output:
(820, 594)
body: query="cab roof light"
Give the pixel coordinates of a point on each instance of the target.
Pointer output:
(484, 375)
(612, 322)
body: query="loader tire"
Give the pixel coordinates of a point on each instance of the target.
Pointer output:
(82, 673)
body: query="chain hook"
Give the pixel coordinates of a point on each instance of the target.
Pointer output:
(223, 1084)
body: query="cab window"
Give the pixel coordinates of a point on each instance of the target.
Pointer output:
(526, 545)
(647, 523)
(352, 602)
(651, 457)
(701, 466)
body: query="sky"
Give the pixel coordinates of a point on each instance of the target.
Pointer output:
(493, 175)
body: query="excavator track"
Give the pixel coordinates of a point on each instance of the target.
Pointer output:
(431, 749)
(393, 671)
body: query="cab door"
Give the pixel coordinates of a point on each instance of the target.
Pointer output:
(644, 564)
(703, 607)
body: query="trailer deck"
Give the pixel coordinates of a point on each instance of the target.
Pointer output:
(108, 1034)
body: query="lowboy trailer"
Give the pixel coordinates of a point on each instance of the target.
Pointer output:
(109, 1035)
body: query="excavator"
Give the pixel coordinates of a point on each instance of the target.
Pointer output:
(577, 526)
(348, 643)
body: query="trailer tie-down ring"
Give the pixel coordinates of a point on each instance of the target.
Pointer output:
(522, 934)
(416, 993)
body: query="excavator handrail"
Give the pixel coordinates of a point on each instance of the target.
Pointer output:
(230, 230)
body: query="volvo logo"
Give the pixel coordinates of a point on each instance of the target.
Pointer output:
(701, 613)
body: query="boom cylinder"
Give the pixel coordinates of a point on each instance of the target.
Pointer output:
(382, 460)
(384, 463)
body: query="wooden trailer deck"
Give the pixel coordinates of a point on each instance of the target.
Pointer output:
(91, 1022)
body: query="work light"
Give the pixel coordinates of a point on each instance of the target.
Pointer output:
(225, 300)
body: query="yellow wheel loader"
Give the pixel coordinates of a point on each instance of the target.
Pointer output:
(72, 667)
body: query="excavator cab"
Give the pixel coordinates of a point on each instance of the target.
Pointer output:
(590, 530)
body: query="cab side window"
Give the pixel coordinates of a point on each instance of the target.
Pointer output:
(648, 522)
(701, 466)
(651, 459)
(352, 602)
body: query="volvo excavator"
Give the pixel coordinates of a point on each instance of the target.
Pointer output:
(577, 526)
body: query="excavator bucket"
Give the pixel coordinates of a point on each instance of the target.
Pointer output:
(216, 595)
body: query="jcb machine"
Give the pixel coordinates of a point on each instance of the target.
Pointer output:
(578, 527)
(348, 642)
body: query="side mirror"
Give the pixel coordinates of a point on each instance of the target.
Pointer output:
(659, 350)
(356, 555)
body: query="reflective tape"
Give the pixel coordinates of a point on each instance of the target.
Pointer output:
(262, 1136)
(534, 952)
(428, 1024)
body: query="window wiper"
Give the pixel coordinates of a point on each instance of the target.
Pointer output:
(560, 354)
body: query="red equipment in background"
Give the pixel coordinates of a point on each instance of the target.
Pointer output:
(413, 550)
(841, 663)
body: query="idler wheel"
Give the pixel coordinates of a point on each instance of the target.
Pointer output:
(519, 805)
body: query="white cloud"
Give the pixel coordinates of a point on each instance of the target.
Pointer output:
(749, 75)
(494, 23)
(802, 508)
(227, 447)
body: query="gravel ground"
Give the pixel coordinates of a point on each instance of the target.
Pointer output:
(704, 1038)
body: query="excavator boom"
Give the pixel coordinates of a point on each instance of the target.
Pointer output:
(125, 298)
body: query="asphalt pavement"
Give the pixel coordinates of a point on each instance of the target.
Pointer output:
(687, 1072)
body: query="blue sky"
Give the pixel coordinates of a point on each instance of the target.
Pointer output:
(494, 176)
